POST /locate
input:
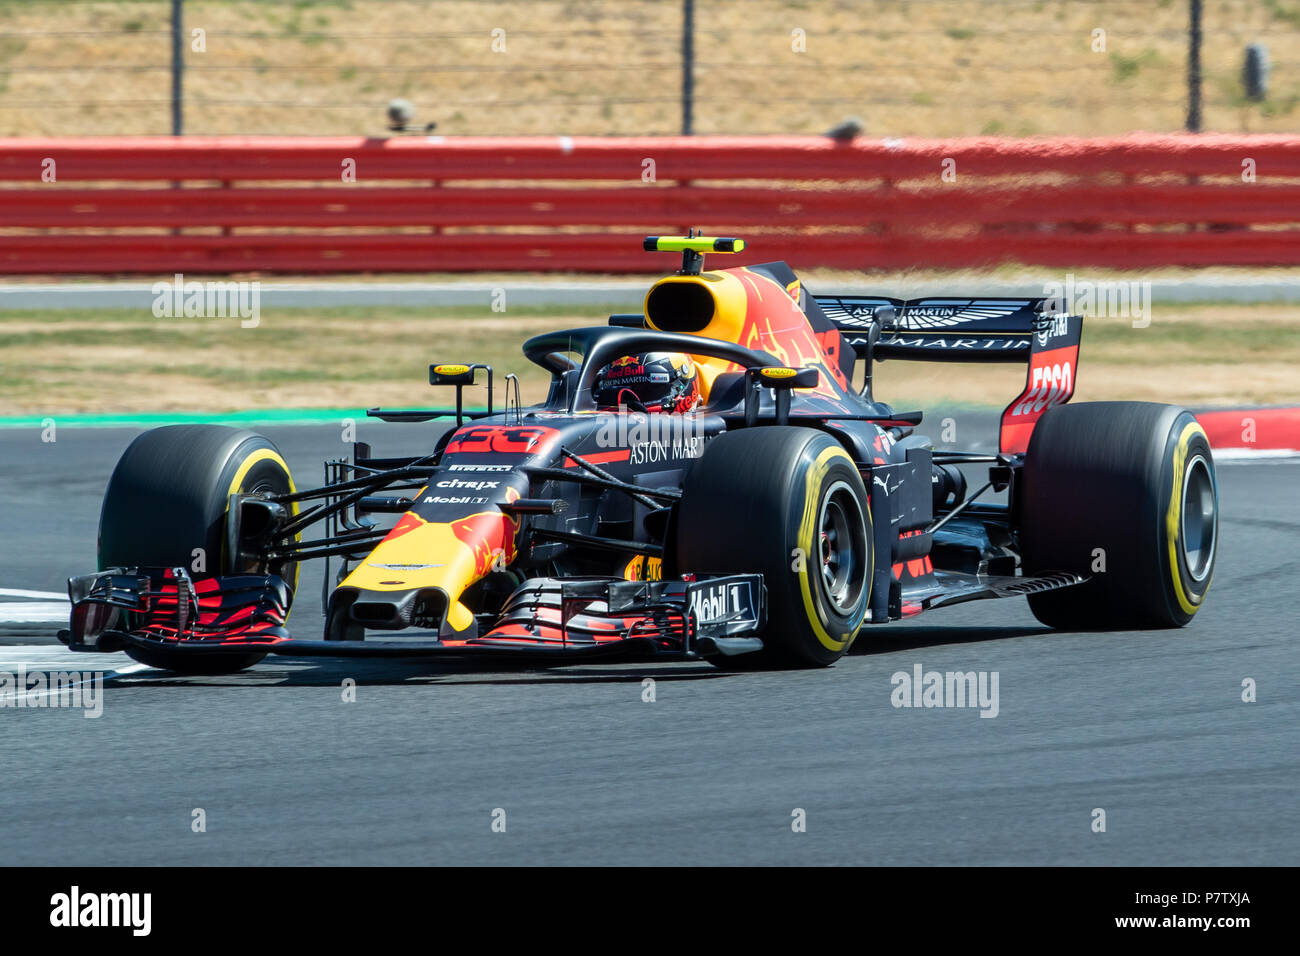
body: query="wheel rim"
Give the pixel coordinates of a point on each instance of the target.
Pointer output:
(1200, 518)
(842, 544)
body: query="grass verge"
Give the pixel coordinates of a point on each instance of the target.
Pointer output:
(95, 362)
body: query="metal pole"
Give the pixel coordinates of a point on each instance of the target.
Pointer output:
(688, 64)
(1194, 67)
(178, 67)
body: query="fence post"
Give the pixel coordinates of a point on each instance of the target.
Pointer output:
(1194, 66)
(178, 67)
(688, 64)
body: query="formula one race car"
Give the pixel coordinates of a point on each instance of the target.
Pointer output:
(704, 480)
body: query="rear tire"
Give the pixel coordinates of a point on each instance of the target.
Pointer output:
(168, 496)
(756, 496)
(1125, 486)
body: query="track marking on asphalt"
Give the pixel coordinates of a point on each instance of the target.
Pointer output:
(47, 657)
(31, 612)
(1255, 456)
(101, 676)
(49, 607)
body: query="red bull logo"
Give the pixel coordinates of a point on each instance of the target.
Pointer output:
(490, 535)
(408, 522)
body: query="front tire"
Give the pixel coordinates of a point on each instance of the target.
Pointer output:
(787, 502)
(168, 498)
(1125, 493)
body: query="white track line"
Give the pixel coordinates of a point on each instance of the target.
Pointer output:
(47, 608)
(65, 666)
(56, 657)
(42, 595)
(33, 612)
(1247, 455)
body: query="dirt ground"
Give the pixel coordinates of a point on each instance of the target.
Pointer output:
(599, 67)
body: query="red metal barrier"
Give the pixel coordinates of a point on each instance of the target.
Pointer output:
(151, 205)
(507, 206)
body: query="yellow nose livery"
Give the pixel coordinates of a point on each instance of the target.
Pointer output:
(449, 556)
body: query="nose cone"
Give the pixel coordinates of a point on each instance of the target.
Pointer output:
(419, 555)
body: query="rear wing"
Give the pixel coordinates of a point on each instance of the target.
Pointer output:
(965, 329)
(954, 329)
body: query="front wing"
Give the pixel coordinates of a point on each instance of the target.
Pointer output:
(546, 618)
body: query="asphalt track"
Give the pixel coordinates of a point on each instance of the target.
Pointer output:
(1150, 727)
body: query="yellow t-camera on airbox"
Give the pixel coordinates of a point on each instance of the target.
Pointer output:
(692, 248)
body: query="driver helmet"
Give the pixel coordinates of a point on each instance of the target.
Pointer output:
(649, 382)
